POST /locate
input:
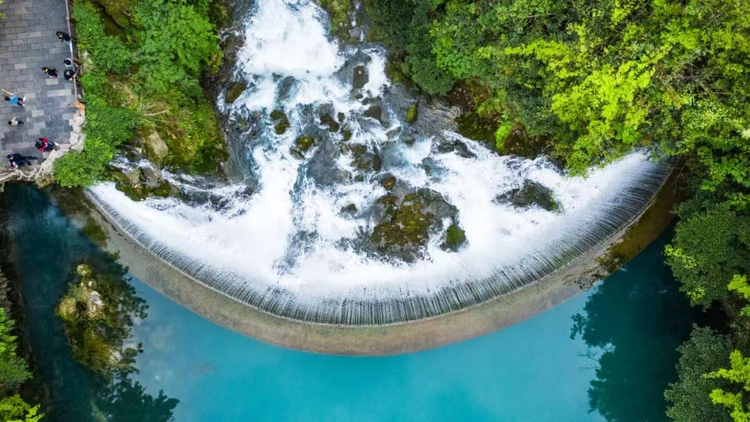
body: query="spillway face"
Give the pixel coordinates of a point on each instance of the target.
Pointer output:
(350, 215)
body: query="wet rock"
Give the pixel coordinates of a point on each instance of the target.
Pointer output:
(455, 239)
(347, 134)
(305, 142)
(388, 182)
(234, 91)
(410, 139)
(323, 168)
(375, 112)
(282, 123)
(327, 120)
(405, 224)
(285, 89)
(155, 148)
(150, 177)
(350, 209)
(364, 159)
(412, 113)
(446, 146)
(361, 77)
(530, 195)
(297, 153)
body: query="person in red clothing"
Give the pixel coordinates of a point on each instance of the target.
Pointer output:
(43, 145)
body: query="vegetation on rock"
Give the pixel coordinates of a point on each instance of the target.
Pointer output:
(98, 312)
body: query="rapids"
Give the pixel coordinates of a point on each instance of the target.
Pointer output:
(278, 238)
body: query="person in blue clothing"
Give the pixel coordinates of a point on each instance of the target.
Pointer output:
(14, 100)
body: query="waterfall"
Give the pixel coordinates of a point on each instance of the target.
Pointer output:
(280, 241)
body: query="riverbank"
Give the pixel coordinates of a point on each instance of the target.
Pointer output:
(398, 338)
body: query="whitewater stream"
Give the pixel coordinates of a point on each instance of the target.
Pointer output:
(351, 225)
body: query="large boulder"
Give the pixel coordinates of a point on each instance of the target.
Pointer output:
(405, 223)
(234, 91)
(155, 148)
(531, 194)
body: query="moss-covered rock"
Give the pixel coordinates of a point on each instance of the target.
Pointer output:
(305, 142)
(234, 91)
(155, 148)
(332, 124)
(301, 146)
(455, 238)
(350, 209)
(364, 159)
(282, 122)
(474, 126)
(529, 195)
(97, 313)
(388, 182)
(405, 223)
(347, 134)
(412, 113)
(338, 10)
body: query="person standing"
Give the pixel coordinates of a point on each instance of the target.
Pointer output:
(15, 122)
(63, 37)
(69, 74)
(51, 72)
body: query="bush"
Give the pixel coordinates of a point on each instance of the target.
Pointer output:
(106, 51)
(13, 369)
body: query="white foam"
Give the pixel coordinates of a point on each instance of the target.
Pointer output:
(288, 234)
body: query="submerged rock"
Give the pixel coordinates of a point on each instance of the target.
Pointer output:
(529, 195)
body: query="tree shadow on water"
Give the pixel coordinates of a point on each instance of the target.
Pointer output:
(632, 324)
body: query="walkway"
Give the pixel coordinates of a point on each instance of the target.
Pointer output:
(28, 43)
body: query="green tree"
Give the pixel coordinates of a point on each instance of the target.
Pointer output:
(14, 409)
(13, 369)
(689, 396)
(709, 248)
(739, 376)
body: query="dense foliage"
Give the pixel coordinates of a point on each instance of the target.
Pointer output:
(592, 80)
(144, 79)
(601, 77)
(13, 372)
(98, 312)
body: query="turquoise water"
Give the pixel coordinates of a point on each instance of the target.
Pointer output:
(532, 371)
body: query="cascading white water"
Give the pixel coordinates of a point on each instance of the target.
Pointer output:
(289, 249)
